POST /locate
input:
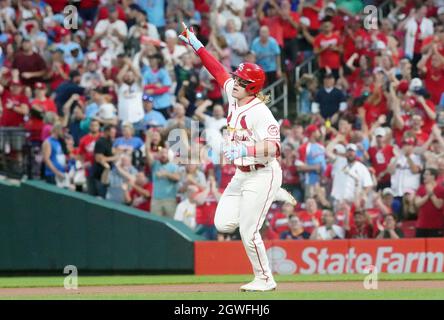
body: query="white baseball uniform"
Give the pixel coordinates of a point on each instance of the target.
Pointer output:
(247, 198)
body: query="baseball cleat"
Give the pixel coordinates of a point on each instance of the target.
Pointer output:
(284, 195)
(259, 285)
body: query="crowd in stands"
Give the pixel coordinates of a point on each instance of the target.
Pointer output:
(364, 157)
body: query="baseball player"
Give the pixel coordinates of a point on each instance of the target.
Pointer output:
(253, 144)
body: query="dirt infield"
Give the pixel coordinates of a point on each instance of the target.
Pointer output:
(225, 287)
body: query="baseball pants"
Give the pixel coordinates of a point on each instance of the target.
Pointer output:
(244, 204)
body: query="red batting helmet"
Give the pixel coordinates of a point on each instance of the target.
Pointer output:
(254, 74)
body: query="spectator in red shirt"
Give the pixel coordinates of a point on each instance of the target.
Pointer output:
(432, 67)
(138, 192)
(206, 209)
(30, 64)
(290, 23)
(429, 200)
(40, 105)
(14, 105)
(329, 48)
(87, 144)
(58, 69)
(104, 10)
(361, 229)
(272, 20)
(311, 217)
(380, 156)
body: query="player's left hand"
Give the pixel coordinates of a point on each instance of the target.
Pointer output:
(233, 151)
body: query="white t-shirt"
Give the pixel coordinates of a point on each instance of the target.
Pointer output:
(113, 44)
(250, 124)
(170, 57)
(213, 134)
(107, 111)
(186, 212)
(348, 180)
(324, 234)
(403, 178)
(130, 103)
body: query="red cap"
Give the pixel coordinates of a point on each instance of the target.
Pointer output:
(403, 86)
(409, 141)
(311, 129)
(39, 85)
(64, 32)
(286, 123)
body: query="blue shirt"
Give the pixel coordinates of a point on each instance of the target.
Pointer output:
(266, 54)
(154, 119)
(161, 101)
(67, 56)
(315, 155)
(134, 142)
(155, 9)
(57, 157)
(164, 188)
(91, 110)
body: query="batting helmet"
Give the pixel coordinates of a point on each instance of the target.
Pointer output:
(252, 73)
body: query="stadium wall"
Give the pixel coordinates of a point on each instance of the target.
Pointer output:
(325, 257)
(44, 228)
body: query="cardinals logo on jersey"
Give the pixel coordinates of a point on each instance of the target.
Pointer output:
(243, 133)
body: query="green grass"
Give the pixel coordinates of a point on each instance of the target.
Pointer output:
(57, 281)
(417, 294)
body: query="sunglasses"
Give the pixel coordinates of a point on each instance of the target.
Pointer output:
(241, 82)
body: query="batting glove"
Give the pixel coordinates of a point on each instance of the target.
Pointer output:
(234, 151)
(190, 38)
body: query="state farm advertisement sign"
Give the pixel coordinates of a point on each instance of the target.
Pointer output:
(325, 257)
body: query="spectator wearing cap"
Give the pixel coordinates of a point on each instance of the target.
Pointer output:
(67, 89)
(405, 169)
(423, 106)
(93, 76)
(40, 105)
(328, 47)
(313, 155)
(380, 155)
(30, 64)
(296, 231)
(165, 176)
(53, 157)
(268, 54)
(429, 200)
(58, 69)
(130, 106)
(157, 83)
(14, 105)
(127, 143)
(72, 51)
(329, 230)
(111, 32)
(417, 27)
(152, 117)
(269, 16)
(353, 182)
(329, 101)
